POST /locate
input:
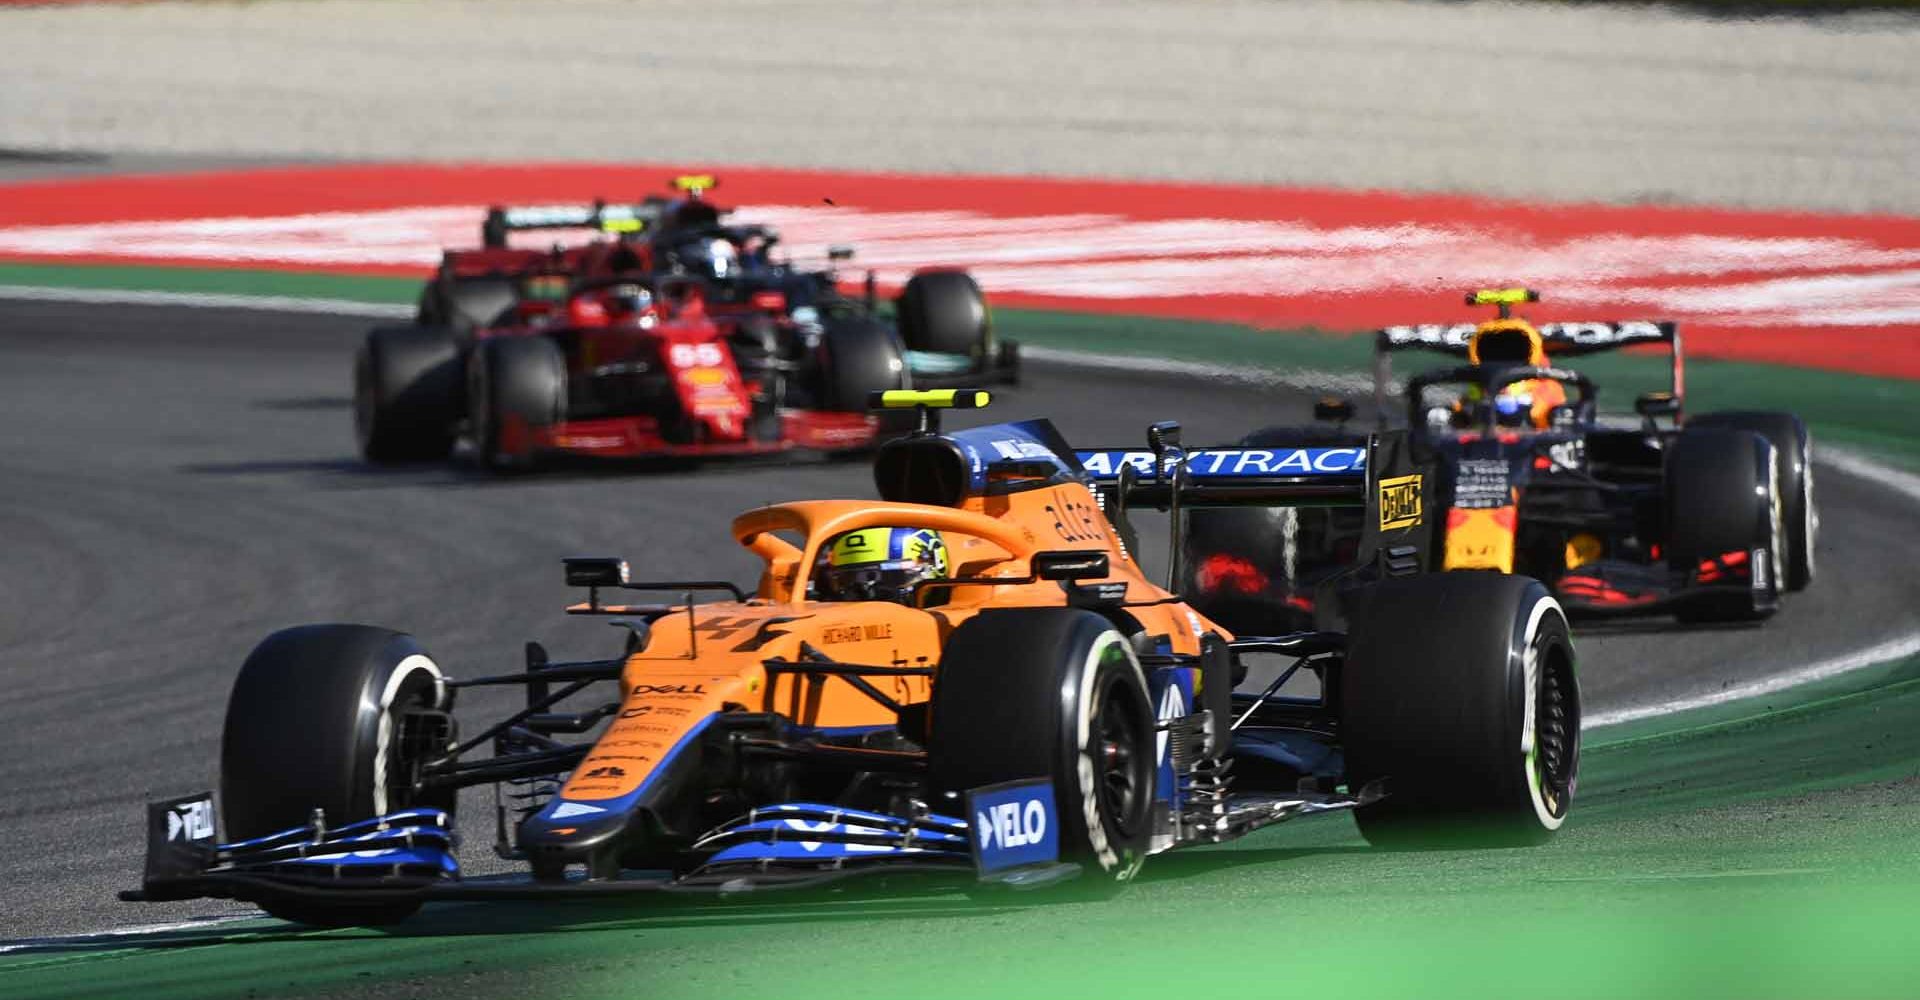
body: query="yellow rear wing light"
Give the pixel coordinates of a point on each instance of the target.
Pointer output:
(1502, 296)
(942, 399)
(695, 185)
(929, 403)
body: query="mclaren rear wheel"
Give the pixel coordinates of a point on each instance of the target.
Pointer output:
(1460, 697)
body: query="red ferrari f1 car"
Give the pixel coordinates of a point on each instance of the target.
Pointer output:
(677, 333)
(621, 367)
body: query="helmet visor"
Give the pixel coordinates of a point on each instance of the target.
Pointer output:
(1505, 347)
(876, 581)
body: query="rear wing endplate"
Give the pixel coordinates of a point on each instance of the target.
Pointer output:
(631, 218)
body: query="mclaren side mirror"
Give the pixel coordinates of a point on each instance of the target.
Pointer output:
(1163, 435)
(1070, 565)
(596, 571)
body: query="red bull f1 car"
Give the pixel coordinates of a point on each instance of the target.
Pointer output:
(1032, 710)
(1708, 517)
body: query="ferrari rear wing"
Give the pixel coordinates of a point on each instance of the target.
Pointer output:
(627, 219)
(1568, 339)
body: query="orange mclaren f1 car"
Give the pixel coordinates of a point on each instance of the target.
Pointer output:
(1031, 709)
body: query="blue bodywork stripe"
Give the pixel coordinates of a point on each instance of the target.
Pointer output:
(623, 803)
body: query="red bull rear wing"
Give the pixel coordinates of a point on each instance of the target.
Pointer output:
(1560, 338)
(1563, 339)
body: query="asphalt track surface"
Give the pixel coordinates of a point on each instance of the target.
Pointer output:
(1620, 103)
(177, 483)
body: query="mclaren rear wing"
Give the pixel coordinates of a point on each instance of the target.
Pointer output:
(1560, 339)
(1374, 471)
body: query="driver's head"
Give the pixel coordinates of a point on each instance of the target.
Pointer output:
(711, 258)
(584, 310)
(1512, 407)
(882, 564)
(1506, 342)
(625, 300)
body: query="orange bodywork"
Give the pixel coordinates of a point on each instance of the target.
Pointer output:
(711, 657)
(1481, 539)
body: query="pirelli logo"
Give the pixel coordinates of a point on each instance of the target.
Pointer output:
(1399, 502)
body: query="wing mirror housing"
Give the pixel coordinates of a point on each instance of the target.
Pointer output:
(1163, 435)
(1073, 565)
(597, 571)
(1333, 410)
(1657, 404)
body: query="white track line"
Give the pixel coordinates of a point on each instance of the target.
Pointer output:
(199, 300)
(1848, 462)
(1309, 379)
(1897, 648)
(107, 937)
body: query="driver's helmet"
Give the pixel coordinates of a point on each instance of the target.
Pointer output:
(882, 564)
(1507, 342)
(1513, 406)
(626, 301)
(711, 258)
(1514, 342)
(586, 311)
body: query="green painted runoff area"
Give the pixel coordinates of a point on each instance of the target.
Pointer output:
(1856, 410)
(1763, 856)
(1761, 849)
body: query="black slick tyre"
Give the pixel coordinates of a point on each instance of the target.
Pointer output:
(1052, 693)
(406, 393)
(1723, 497)
(1460, 695)
(859, 356)
(944, 312)
(1798, 513)
(337, 718)
(514, 385)
(466, 304)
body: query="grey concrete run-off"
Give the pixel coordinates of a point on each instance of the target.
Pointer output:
(1538, 101)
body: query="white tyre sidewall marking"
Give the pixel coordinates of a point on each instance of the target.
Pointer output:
(1809, 517)
(1086, 776)
(1776, 526)
(416, 662)
(1530, 659)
